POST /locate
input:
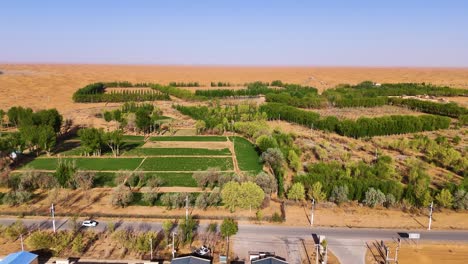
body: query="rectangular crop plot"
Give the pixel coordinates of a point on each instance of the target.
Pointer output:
(189, 138)
(133, 138)
(170, 179)
(247, 157)
(97, 164)
(177, 152)
(186, 163)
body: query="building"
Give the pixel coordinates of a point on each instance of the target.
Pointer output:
(22, 257)
(269, 260)
(189, 260)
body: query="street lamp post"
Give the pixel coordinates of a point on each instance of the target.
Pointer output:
(52, 212)
(173, 249)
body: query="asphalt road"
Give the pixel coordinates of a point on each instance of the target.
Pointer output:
(348, 244)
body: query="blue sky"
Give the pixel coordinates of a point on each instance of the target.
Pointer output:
(315, 32)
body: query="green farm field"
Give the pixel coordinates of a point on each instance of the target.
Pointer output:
(190, 138)
(247, 157)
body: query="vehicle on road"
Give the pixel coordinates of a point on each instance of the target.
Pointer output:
(203, 251)
(89, 223)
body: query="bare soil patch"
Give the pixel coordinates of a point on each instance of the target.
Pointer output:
(422, 253)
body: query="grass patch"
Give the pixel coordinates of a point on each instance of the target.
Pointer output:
(174, 179)
(98, 164)
(133, 138)
(175, 152)
(185, 164)
(247, 156)
(189, 138)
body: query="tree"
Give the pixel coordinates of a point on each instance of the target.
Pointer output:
(207, 178)
(150, 197)
(315, 192)
(444, 198)
(200, 126)
(460, 200)
(245, 195)
(30, 136)
(374, 197)
(121, 196)
(114, 140)
(167, 226)
(229, 228)
(84, 179)
(339, 194)
(296, 192)
(267, 182)
(186, 229)
(91, 140)
(265, 142)
(273, 157)
(47, 138)
(294, 161)
(64, 172)
(142, 120)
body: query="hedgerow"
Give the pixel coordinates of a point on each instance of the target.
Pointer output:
(96, 93)
(445, 109)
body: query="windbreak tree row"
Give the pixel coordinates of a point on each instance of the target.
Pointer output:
(362, 127)
(96, 92)
(444, 109)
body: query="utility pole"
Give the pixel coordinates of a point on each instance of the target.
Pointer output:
(317, 254)
(312, 213)
(52, 211)
(430, 215)
(151, 249)
(186, 208)
(173, 249)
(22, 244)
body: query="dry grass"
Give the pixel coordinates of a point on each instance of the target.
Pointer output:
(423, 253)
(357, 112)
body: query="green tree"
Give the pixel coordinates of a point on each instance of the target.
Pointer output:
(47, 138)
(142, 120)
(186, 229)
(167, 226)
(460, 200)
(294, 161)
(64, 173)
(444, 198)
(265, 142)
(245, 195)
(114, 140)
(296, 192)
(91, 140)
(315, 192)
(229, 227)
(200, 126)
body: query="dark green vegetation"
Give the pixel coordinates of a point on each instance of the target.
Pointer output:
(177, 152)
(443, 109)
(190, 138)
(185, 164)
(362, 127)
(144, 116)
(247, 157)
(96, 92)
(183, 84)
(95, 164)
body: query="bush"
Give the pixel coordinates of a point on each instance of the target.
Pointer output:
(374, 197)
(276, 218)
(15, 230)
(296, 192)
(389, 200)
(444, 198)
(315, 192)
(265, 142)
(122, 196)
(460, 200)
(339, 194)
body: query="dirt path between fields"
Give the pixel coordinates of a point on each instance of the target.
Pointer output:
(234, 157)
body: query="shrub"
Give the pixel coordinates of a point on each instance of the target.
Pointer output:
(389, 200)
(121, 196)
(276, 218)
(265, 142)
(267, 182)
(315, 192)
(15, 230)
(374, 197)
(460, 200)
(339, 194)
(296, 192)
(444, 198)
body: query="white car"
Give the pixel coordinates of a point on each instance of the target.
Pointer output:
(203, 251)
(89, 223)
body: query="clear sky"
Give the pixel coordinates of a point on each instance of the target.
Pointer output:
(432, 33)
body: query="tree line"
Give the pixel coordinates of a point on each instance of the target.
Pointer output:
(96, 93)
(443, 109)
(143, 117)
(37, 131)
(362, 127)
(184, 84)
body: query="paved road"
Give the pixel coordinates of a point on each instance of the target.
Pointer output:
(348, 244)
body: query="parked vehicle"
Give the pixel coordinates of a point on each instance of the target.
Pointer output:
(203, 251)
(89, 223)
